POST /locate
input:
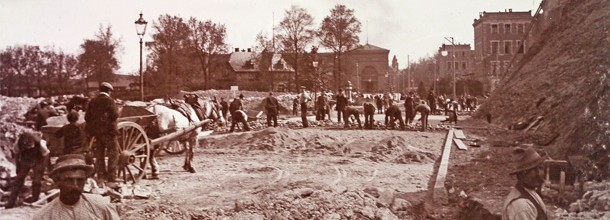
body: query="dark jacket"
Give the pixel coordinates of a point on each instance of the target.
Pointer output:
(272, 105)
(101, 116)
(409, 104)
(341, 102)
(235, 105)
(393, 111)
(369, 108)
(72, 137)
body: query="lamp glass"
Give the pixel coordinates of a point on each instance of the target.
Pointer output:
(141, 25)
(444, 52)
(315, 64)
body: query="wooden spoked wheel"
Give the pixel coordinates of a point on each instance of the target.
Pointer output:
(133, 152)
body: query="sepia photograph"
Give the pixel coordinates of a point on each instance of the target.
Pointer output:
(305, 109)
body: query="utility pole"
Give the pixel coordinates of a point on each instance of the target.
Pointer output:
(408, 73)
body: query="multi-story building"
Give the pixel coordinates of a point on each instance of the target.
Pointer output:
(499, 39)
(463, 63)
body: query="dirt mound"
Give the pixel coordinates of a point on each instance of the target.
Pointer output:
(564, 77)
(394, 149)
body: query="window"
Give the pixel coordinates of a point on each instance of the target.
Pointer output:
(519, 47)
(507, 28)
(506, 66)
(494, 28)
(448, 65)
(463, 54)
(508, 45)
(464, 65)
(494, 47)
(457, 65)
(520, 29)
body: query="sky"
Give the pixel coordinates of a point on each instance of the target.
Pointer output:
(410, 29)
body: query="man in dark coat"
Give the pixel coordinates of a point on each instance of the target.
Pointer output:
(393, 113)
(101, 118)
(409, 104)
(379, 104)
(349, 111)
(341, 104)
(224, 108)
(432, 102)
(369, 112)
(321, 105)
(272, 106)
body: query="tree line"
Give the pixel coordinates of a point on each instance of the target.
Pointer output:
(181, 54)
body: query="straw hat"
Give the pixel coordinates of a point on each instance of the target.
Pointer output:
(525, 157)
(70, 162)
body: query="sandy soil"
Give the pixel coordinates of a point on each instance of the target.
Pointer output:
(295, 174)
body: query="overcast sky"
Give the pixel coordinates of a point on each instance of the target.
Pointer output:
(405, 27)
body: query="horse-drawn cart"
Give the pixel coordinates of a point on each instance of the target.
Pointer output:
(133, 141)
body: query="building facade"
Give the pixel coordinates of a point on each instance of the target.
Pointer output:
(459, 57)
(500, 41)
(366, 67)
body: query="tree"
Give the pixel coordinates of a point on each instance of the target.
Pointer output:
(171, 54)
(98, 59)
(339, 32)
(208, 38)
(295, 33)
(421, 90)
(20, 67)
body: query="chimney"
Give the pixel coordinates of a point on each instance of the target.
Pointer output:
(249, 50)
(510, 10)
(237, 49)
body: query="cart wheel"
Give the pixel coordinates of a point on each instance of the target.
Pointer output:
(174, 147)
(134, 151)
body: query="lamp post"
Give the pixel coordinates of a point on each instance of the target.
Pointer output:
(316, 80)
(444, 53)
(141, 29)
(357, 77)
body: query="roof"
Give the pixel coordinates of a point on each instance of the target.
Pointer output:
(510, 15)
(369, 47)
(243, 62)
(277, 59)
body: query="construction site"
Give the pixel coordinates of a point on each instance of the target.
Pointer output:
(557, 100)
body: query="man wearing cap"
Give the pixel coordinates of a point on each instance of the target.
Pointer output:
(523, 202)
(70, 175)
(32, 154)
(46, 110)
(101, 118)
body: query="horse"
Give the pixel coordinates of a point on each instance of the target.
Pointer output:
(180, 115)
(170, 120)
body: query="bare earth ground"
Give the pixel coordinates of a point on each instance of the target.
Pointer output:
(295, 174)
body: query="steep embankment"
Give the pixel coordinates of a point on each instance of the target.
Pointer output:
(565, 77)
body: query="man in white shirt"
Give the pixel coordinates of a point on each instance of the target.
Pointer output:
(523, 202)
(70, 174)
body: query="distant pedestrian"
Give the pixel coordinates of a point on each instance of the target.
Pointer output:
(379, 104)
(272, 106)
(351, 111)
(369, 112)
(341, 104)
(295, 106)
(224, 108)
(72, 134)
(424, 111)
(321, 105)
(409, 105)
(241, 96)
(432, 101)
(304, 99)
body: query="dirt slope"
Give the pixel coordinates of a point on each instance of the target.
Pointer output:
(565, 77)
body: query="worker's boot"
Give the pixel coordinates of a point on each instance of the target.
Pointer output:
(35, 195)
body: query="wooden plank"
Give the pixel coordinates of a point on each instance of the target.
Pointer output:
(439, 193)
(460, 145)
(459, 134)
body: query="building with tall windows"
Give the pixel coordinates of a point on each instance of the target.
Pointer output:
(463, 63)
(500, 38)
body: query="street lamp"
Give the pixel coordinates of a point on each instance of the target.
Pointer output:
(444, 52)
(141, 29)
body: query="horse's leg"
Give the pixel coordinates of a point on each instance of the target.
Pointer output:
(152, 160)
(188, 158)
